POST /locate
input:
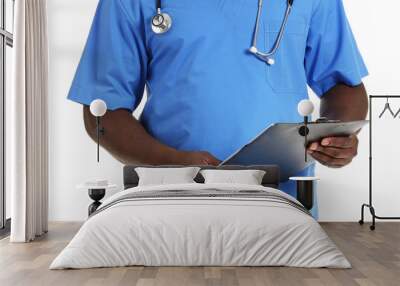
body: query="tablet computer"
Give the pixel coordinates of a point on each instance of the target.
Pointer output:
(281, 144)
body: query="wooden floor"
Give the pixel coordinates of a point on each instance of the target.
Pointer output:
(375, 257)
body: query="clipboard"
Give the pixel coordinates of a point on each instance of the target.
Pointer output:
(281, 144)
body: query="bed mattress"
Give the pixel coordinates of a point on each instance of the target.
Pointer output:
(201, 225)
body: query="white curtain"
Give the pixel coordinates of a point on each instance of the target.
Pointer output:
(28, 158)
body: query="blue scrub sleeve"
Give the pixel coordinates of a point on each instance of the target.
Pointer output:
(113, 66)
(332, 55)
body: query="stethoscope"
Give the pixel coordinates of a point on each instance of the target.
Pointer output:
(162, 22)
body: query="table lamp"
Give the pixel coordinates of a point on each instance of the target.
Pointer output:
(98, 108)
(305, 109)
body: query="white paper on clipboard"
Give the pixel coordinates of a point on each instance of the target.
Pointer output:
(281, 144)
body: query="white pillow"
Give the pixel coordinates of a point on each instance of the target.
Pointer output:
(165, 176)
(248, 177)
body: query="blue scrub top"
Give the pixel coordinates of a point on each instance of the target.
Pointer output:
(206, 92)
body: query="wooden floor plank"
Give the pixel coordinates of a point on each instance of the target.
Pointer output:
(375, 257)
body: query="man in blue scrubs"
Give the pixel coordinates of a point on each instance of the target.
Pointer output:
(207, 95)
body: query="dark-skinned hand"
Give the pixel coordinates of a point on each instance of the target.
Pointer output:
(334, 152)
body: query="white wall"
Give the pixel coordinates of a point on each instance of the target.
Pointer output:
(72, 154)
(375, 24)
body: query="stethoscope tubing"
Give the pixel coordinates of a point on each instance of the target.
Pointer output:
(281, 32)
(158, 5)
(255, 35)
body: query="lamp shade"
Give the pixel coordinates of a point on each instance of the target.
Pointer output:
(98, 107)
(305, 107)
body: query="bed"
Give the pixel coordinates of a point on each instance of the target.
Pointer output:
(199, 224)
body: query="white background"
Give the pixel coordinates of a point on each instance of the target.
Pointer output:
(341, 192)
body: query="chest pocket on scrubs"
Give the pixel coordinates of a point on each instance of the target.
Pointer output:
(187, 46)
(287, 74)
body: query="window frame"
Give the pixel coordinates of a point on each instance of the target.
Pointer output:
(6, 39)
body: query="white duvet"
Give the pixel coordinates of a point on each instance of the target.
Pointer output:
(200, 231)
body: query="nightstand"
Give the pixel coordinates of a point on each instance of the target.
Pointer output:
(96, 192)
(305, 190)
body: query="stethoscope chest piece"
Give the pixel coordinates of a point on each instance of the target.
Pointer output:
(161, 23)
